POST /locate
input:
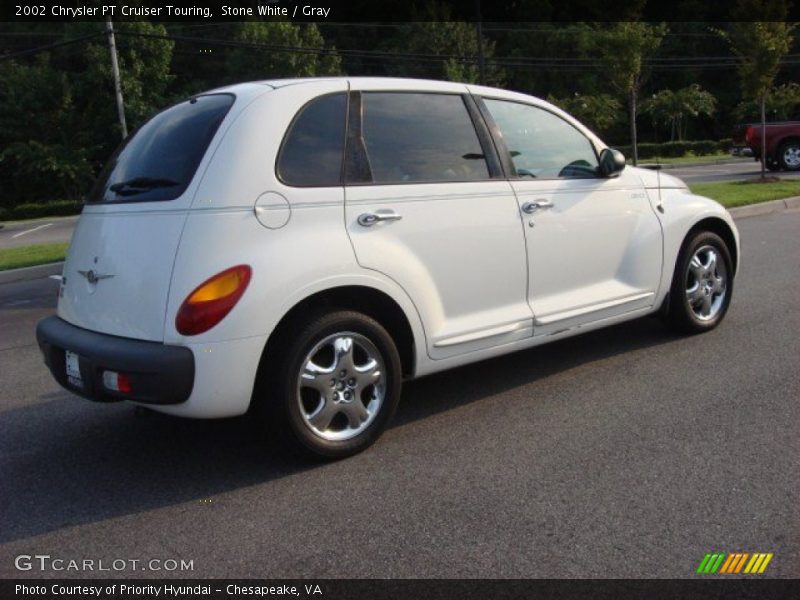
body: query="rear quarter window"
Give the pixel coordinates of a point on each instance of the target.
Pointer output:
(312, 151)
(158, 161)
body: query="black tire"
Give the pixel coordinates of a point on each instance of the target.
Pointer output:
(682, 316)
(792, 146)
(284, 399)
(772, 164)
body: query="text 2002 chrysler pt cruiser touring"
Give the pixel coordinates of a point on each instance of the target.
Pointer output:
(302, 246)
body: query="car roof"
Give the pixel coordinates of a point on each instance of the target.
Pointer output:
(356, 83)
(409, 84)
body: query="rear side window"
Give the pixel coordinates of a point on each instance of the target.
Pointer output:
(158, 160)
(414, 138)
(312, 152)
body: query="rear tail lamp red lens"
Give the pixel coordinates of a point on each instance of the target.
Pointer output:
(212, 300)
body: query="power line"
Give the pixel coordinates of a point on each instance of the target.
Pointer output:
(50, 46)
(572, 64)
(29, 34)
(662, 63)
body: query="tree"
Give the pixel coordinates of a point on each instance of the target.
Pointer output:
(71, 92)
(623, 50)
(262, 62)
(556, 44)
(673, 107)
(759, 46)
(144, 65)
(783, 103)
(41, 158)
(435, 34)
(599, 112)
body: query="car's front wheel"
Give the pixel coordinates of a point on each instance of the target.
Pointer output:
(336, 386)
(702, 283)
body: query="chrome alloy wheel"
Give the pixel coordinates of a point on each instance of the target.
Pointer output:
(791, 156)
(706, 283)
(341, 386)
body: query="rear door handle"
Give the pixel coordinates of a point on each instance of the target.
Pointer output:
(531, 207)
(371, 218)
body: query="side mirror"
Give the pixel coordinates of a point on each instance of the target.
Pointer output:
(611, 162)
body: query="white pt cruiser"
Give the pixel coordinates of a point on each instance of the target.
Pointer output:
(302, 246)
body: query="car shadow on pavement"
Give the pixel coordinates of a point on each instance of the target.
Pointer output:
(463, 385)
(65, 461)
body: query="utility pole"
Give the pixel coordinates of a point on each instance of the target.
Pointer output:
(112, 47)
(479, 26)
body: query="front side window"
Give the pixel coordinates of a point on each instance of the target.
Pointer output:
(311, 155)
(542, 144)
(421, 137)
(158, 160)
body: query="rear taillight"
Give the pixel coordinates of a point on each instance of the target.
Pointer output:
(208, 304)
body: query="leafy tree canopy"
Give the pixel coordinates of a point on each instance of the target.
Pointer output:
(262, 62)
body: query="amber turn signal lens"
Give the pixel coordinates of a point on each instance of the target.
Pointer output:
(212, 300)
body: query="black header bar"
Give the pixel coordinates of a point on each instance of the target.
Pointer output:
(333, 11)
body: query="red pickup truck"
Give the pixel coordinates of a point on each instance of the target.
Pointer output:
(782, 142)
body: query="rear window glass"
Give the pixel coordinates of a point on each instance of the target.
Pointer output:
(159, 159)
(313, 149)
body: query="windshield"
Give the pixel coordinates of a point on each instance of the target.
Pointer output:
(158, 161)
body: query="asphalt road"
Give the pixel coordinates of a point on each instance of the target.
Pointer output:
(742, 169)
(628, 452)
(40, 231)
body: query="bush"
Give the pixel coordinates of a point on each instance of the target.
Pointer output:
(34, 211)
(678, 149)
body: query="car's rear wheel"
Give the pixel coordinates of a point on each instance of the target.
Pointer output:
(789, 155)
(336, 386)
(772, 164)
(702, 283)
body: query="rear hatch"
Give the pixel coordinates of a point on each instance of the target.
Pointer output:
(119, 266)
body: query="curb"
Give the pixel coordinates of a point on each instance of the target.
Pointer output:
(764, 208)
(28, 273)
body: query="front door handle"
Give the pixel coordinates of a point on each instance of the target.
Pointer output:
(531, 207)
(370, 219)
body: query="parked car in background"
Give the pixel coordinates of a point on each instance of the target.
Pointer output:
(300, 247)
(782, 143)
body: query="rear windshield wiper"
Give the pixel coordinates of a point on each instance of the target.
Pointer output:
(137, 185)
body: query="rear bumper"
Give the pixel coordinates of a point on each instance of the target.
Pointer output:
(159, 374)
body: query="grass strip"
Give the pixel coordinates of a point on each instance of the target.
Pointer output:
(30, 256)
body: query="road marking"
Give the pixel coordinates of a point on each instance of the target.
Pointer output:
(21, 233)
(17, 303)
